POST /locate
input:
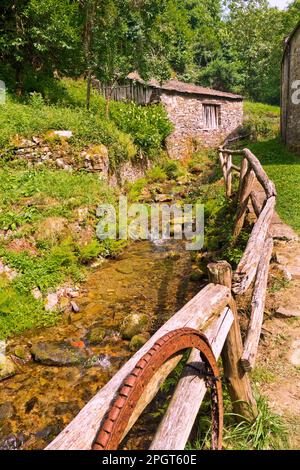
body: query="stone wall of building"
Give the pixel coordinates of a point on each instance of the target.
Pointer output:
(290, 118)
(186, 113)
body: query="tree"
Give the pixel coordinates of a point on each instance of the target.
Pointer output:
(40, 36)
(254, 34)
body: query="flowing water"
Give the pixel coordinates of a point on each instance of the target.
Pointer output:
(41, 400)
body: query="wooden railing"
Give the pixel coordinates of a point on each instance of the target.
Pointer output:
(214, 312)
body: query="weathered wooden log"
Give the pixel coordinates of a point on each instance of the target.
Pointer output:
(81, 432)
(247, 267)
(230, 151)
(257, 207)
(244, 169)
(226, 165)
(257, 307)
(176, 425)
(245, 191)
(260, 174)
(239, 385)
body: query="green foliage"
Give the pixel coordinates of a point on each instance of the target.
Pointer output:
(172, 169)
(40, 36)
(130, 127)
(90, 251)
(19, 312)
(71, 189)
(124, 38)
(233, 45)
(27, 197)
(36, 100)
(135, 189)
(284, 169)
(112, 248)
(156, 174)
(28, 120)
(45, 272)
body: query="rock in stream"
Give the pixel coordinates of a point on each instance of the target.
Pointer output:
(58, 354)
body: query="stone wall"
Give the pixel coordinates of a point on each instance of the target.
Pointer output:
(290, 120)
(93, 159)
(186, 113)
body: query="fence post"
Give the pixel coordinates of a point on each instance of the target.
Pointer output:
(238, 381)
(245, 190)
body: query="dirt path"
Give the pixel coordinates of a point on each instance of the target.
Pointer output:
(277, 373)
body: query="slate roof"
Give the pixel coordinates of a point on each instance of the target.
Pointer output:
(182, 87)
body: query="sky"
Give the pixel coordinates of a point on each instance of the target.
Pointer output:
(279, 3)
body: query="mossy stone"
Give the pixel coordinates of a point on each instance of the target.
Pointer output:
(7, 368)
(133, 325)
(137, 342)
(58, 354)
(96, 335)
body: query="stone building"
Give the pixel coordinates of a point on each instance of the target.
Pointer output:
(290, 92)
(201, 116)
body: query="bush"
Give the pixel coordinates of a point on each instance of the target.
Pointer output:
(156, 174)
(172, 169)
(148, 125)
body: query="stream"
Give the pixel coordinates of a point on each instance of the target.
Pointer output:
(40, 400)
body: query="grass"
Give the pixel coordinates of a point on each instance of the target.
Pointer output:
(266, 432)
(30, 202)
(88, 128)
(282, 166)
(261, 120)
(130, 129)
(284, 169)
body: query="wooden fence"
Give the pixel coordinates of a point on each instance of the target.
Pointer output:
(212, 311)
(254, 265)
(129, 92)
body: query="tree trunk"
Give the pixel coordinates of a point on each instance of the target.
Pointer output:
(88, 90)
(90, 11)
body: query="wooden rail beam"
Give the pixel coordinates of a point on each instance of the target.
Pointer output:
(260, 174)
(247, 267)
(81, 432)
(247, 184)
(257, 206)
(257, 308)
